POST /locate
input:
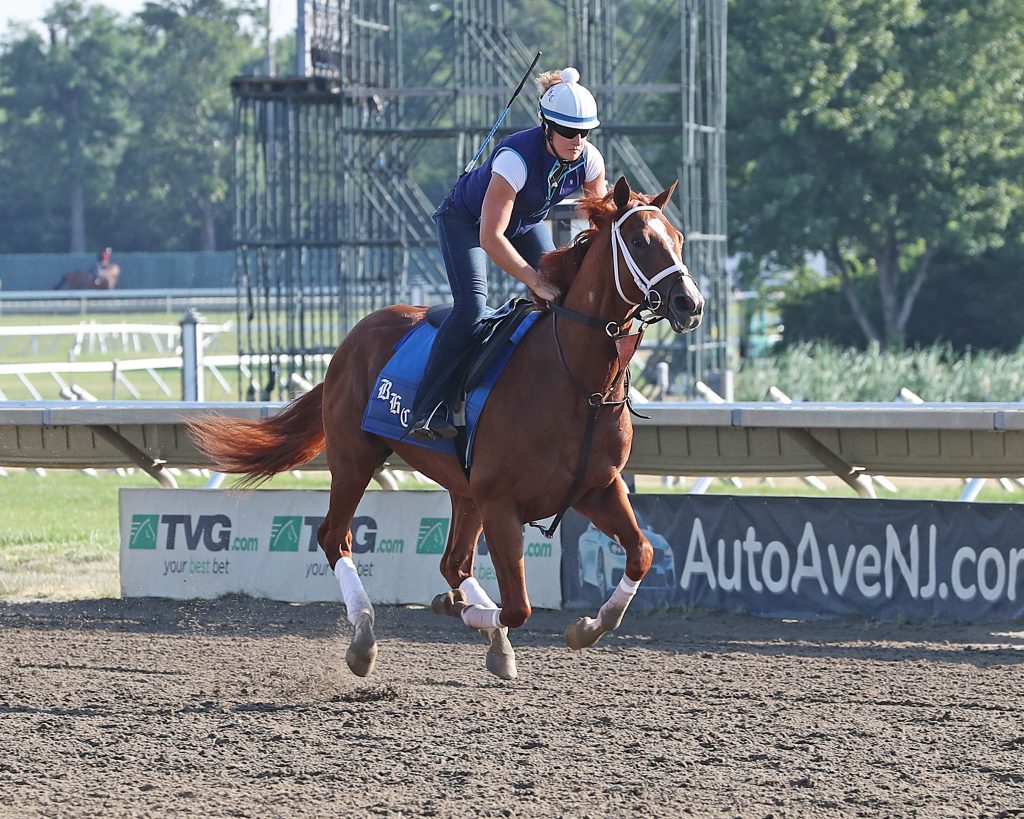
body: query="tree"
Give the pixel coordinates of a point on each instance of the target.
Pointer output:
(877, 132)
(65, 124)
(179, 174)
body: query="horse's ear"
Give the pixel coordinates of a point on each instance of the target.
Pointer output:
(662, 198)
(622, 193)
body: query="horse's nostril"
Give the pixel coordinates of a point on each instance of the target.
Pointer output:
(683, 304)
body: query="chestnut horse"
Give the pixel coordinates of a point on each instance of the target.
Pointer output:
(555, 432)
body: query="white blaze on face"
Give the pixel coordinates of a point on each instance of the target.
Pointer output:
(658, 226)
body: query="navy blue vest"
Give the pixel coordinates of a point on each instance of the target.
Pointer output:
(548, 181)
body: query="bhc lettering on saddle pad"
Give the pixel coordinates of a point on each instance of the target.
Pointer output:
(389, 409)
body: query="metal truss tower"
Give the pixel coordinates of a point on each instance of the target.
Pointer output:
(338, 169)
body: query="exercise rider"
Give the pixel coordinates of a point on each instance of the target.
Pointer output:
(497, 211)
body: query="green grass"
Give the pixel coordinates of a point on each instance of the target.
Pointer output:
(59, 536)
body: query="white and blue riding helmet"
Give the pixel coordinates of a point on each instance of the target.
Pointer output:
(568, 103)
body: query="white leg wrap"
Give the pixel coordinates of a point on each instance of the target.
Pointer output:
(616, 605)
(476, 594)
(479, 617)
(357, 602)
(624, 592)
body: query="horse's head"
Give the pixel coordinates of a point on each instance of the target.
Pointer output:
(648, 258)
(644, 258)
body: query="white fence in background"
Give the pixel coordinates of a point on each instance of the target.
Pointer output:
(91, 338)
(166, 340)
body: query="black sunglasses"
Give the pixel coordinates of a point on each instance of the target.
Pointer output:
(569, 133)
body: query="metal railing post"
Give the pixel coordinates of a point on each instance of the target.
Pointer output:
(192, 388)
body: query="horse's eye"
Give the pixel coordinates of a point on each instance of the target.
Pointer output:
(638, 242)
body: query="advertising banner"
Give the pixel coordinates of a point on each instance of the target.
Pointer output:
(202, 543)
(812, 557)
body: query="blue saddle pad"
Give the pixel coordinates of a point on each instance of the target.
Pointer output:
(389, 409)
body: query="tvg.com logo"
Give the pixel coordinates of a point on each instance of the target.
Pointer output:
(212, 532)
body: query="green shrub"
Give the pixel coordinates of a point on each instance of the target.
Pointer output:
(816, 371)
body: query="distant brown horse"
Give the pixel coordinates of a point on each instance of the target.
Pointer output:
(106, 279)
(563, 392)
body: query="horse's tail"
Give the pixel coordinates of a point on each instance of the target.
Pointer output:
(261, 449)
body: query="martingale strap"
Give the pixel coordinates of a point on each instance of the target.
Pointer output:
(626, 345)
(581, 467)
(613, 329)
(580, 318)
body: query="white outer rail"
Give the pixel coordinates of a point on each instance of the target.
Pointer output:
(748, 438)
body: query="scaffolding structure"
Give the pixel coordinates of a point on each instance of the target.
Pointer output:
(338, 169)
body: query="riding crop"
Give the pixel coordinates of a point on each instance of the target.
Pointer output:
(504, 113)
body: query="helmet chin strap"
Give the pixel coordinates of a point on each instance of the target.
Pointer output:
(550, 140)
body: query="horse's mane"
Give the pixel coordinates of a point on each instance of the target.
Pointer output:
(559, 266)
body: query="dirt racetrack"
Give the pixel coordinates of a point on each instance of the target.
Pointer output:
(243, 707)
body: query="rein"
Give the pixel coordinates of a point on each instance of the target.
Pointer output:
(618, 333)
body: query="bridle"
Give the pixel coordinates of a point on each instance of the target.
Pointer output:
(626, 344)
(644, 284)
(651, 301)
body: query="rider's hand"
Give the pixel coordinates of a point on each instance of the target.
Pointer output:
(544, 292)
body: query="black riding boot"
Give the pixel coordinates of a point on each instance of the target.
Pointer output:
(437, 425)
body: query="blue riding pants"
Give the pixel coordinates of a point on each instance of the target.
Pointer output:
(458, 236)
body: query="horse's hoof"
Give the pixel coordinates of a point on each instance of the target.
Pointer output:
(361, 663)
(444, 603)
(361, 656)
(583, 633)
(610, 619)
(501, 658)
